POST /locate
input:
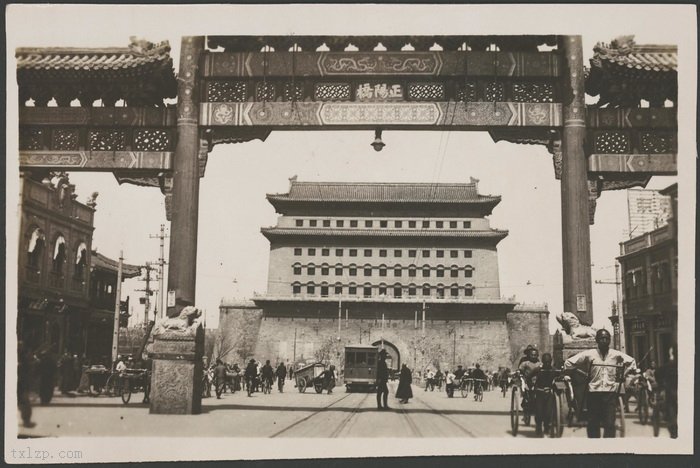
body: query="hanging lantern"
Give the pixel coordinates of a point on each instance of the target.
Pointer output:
(378, 144)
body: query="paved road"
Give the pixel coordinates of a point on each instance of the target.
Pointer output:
(293, 414)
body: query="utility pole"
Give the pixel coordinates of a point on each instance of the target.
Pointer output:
(117, 308)
(147, 292)
(620, 311)
(423, 319)
(160, 302)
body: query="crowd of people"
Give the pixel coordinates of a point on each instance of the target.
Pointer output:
(255, 377)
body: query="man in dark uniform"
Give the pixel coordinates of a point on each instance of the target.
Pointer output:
(219, 378)
(251, 372)
(267, 373)
(382, 379)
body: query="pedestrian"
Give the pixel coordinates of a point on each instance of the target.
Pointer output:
(667, 379)
(381, 381)
(24, 365)
(404, 392)
(281, 375)
(329, 379)
(290, 372)
(543, 378)
(601, 364)
(219, 378)
(251, 373)
(47, 376)
(236, 371)
(450, 383)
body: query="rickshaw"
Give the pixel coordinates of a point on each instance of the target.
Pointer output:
(310, 376)
(134, 380)
(575, 391)
(519, 394)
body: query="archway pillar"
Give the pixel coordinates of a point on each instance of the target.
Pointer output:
(576, 243)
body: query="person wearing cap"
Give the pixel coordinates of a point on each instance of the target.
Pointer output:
(543, 377)
(601, 365)
(381, 381)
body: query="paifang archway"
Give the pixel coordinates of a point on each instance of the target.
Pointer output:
(240, 88)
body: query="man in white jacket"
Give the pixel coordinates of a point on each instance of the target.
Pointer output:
(602, 365)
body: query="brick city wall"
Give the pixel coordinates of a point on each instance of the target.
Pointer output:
(492, 343)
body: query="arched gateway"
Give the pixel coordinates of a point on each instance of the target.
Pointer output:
(393, 359)
(242, 88)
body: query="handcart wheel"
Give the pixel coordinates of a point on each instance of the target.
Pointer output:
(620, 426)
(656, 420)
(301, 385)
(514, 411)
(110, 387)
(555, 425)
(318, 387)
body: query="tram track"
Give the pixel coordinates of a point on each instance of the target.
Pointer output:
(343, 424)
(306, 418)
(437, 412)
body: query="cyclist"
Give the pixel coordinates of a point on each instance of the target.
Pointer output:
(267, 374)
(601, 364)
(251, 372)
(479, 377)
(438, 379)
(503, 378)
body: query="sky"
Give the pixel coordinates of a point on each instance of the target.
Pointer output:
(233, 256)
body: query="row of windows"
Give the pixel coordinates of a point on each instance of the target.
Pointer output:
(382, 270)
(636, 280)
(36, 254)
(397, 291)
(398, 253)
(384, 223)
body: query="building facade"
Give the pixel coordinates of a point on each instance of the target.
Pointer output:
(413, 267)
(649, 267)
(58, 303)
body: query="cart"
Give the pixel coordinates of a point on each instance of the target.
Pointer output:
(310, 376)
(135, 380)
(99, 378)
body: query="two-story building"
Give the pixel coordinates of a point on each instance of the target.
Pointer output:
(649, 267)
(56, 267)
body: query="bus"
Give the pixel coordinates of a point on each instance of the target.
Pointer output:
(360, 367)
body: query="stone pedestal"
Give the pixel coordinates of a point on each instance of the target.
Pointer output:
(564, 349)
(177, 373)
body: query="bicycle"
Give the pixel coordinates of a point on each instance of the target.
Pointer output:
(479, 389)
(267, 386)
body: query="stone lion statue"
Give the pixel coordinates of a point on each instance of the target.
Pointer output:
(186, 323)
(572, 326)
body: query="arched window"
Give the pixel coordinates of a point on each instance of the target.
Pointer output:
(338, 289)
(35, 249)
(296, 288)
(310, 288)
(468, 271)
(382, 290)
(324, 289)
(367, 290)
(352, 289)
(468, 290)
(80, 261)
(412, 271)
(367, 269)
(426, 290)
(426, 271)
(454, 271)
(382, 270)
(311, 269)
(412, 290)
(296, 268)
(440, 273)
(454, 290)
(59, 254)
(440, 291)
(398, 290)
(397, 270)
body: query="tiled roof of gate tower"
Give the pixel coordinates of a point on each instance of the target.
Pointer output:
(384, 193)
